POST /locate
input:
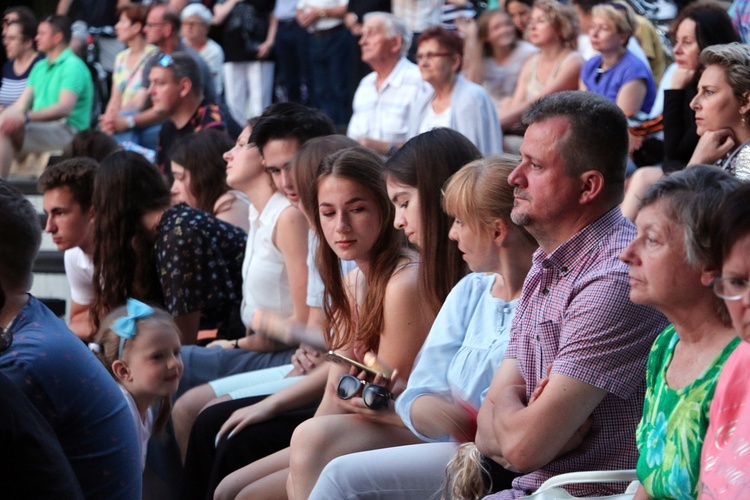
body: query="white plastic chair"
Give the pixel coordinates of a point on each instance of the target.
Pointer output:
(552, 489)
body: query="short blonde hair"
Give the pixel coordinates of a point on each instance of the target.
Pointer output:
(479, 193)
(563, 18)
(618, 13)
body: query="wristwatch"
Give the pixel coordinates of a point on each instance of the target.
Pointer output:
(130, 121)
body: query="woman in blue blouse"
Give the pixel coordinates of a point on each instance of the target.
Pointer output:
(616, 73)
(464, 347)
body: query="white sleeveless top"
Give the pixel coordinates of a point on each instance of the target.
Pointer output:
(265, 283)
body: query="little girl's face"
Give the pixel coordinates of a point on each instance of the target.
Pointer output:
(153, 358)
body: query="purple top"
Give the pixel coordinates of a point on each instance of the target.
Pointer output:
(575, 314)
(608, 83)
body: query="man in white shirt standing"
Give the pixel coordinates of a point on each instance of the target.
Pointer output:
(67, 188)
(384, 100)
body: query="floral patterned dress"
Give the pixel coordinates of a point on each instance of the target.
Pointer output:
(670, 435)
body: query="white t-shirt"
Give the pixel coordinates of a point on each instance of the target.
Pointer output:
(144, 429)
(80, 272)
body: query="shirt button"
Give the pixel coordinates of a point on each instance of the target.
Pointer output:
(545, 291)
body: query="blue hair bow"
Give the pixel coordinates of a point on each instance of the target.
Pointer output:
(125, 327)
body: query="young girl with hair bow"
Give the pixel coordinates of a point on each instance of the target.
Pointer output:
(140, 347)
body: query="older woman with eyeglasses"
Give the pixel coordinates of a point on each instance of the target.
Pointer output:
(455, 102)
(18, 39)
(671, 269)
(725, 465)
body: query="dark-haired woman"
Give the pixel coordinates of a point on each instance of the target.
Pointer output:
(144, 248)
(376, 308)
(200, 177)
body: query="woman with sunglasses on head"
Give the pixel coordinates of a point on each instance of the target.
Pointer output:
(671, 269)
(553, 29)
(463, 350)
(616, 73)
(724, 463)
(455, 102)
(722, 109)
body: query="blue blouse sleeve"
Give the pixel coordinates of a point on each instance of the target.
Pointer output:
(431, 370)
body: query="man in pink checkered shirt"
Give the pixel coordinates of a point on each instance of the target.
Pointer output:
(569, 394)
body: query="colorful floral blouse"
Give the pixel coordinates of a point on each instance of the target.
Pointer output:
(670, 435)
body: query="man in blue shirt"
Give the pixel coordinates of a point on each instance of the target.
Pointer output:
(60, 376)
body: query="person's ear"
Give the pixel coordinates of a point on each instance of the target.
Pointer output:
(592, 184)
(745, 108)
(185, 87)
(90, 214)
(398, 42)
(499, 231)
(708, 273)
(121, 371)
(456, 62)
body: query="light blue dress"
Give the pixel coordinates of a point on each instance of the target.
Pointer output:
(465, 346)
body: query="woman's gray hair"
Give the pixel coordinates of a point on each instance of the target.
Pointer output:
(734, 59)
(394, 27)
(693, 198)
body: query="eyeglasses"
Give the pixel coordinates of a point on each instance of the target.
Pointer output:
(8, 21)
(730, 288)
(375, 396)
(153, 25)
(165, 61)
(192, 24)
(12, 38)
(431, 55)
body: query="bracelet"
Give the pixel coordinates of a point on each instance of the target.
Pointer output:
(130, 121)
(237, 344)
(322, 13)
(26, 118)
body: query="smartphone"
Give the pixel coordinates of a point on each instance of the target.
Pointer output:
(335, 357)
